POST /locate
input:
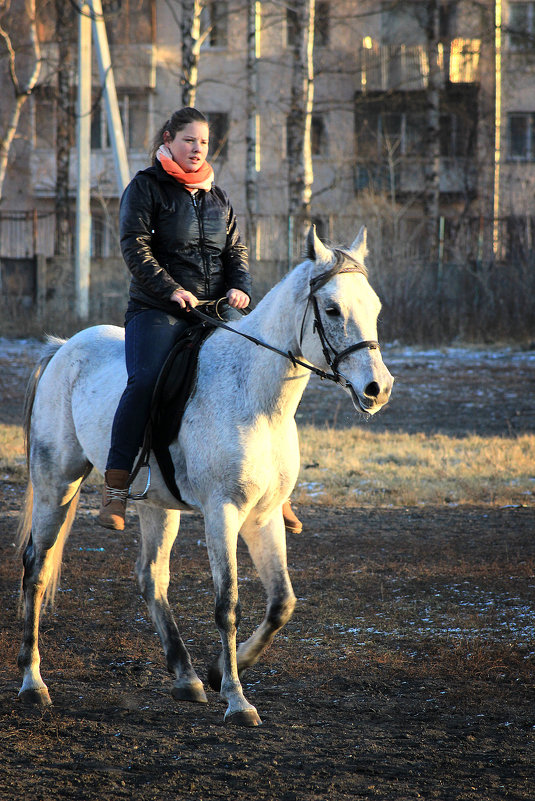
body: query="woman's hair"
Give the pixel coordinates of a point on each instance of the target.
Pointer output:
(177, 122)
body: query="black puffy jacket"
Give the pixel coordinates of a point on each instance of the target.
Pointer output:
(173, 239)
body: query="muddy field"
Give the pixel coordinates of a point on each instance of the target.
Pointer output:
(406, 672)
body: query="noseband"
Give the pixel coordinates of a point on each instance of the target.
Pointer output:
(332, 356)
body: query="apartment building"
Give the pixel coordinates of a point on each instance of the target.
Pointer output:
(374, 73)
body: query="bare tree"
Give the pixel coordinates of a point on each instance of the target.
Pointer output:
(300, 173)
(251, 186)
(432, 162)
(18, 31)
(191, 45)
(65, 35)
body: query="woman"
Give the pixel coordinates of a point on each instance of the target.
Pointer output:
(180, 241)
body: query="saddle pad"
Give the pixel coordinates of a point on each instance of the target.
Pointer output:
(171, 394)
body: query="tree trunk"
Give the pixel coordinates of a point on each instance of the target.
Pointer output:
(300, 173)
(251, 186)
(191, 43)
(21, 90)
(432, 162)
(64, 127)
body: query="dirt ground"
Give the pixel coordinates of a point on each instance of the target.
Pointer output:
(407, 671)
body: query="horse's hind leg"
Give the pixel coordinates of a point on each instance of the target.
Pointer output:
(267, 547)
(51, 523)
(159, 528)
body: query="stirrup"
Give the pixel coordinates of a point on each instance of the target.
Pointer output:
(142, 495)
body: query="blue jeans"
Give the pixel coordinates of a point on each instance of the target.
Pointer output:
(150, 335)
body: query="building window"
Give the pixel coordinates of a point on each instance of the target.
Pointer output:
(219, 134)
(318, 136)
(45, 118)
(321, 25)
(522, 26)
(133, 107)
(214, 24)
(292, 27)
(103, 237)
(129, 21)
(374, 176)
(456, 136)
(521, 136)
(403, 23)
(447, 20)
(520, 233)
(388, 134)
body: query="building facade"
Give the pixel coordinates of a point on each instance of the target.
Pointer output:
(379, 69)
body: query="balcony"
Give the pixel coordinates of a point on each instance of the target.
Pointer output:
(406, 68)
(103, 179)
(458, 176)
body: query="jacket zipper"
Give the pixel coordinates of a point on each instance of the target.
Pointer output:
(201, 232)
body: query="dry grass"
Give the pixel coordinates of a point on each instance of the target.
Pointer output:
(12, 457)
(355, 468)
(358, 468)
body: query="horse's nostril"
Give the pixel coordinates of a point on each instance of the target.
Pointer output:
(372, 390)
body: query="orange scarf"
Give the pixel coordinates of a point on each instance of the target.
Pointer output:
(203, 178)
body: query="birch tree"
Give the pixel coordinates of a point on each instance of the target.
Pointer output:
(190, 24)
(251, 144)
(18, 34)
(300, 173)
(432, 140)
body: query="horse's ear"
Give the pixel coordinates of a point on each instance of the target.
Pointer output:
(359, 248)
(315, 249)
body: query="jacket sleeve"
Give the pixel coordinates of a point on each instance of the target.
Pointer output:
(234, 257)
(137, 215)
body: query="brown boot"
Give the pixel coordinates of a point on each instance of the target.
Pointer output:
(291, 522)
(114, 495)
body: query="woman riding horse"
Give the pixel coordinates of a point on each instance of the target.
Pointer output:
(180, 240)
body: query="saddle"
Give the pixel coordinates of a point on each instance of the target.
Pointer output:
(172, 391)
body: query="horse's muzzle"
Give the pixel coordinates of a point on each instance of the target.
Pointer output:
(373, 398)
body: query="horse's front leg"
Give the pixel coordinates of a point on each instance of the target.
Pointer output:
(159, 528)
(222, 526)
(267, 546)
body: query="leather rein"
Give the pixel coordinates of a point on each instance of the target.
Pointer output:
(332, 356)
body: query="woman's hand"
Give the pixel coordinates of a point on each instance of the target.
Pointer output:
(237, 299)
(184, 298)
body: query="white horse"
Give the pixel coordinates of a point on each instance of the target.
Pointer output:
(236, 457)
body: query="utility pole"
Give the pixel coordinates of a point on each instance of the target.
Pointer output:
(497, 127)
(91, 15)
(83, 142)
(115, 126)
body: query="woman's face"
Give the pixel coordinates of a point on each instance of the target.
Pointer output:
(190, 146)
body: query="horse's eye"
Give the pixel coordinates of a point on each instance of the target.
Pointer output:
(333, 311)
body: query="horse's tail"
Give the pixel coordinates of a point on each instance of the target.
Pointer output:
(25, 522)
(51, 348)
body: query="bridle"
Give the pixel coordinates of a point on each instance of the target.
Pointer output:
(332, 356)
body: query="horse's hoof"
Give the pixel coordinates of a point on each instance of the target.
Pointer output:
(215, 676)
(244, 717)
(190, 692)
(34, 697)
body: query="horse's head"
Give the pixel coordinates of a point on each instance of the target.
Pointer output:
(339, 328)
